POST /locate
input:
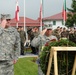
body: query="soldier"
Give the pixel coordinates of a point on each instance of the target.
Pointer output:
(64, 34)
(56, 32)
(41, 40)
(33, 32)
(9, 46)
(72, 35)
(23, 38)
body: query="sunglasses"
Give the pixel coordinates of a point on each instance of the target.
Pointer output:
(7, 19)
(49, 29)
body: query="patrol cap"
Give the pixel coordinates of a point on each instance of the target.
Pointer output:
(49, 26)
(5, 16)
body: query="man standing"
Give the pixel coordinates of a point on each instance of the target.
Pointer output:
(23, 39)
(9, 46)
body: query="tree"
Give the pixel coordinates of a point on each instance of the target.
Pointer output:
(71, 21)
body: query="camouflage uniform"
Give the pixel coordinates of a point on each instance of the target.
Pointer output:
(23, 38)
(9, 49)
(64, 34)
(56, 33)
(41, 41)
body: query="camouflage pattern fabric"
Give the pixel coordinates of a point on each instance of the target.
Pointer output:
(9, 44)
(22, 36)
(40, 71)
(9, 49)
(41, 41)
(6, 68)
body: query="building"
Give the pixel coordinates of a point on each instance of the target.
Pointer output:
(28, 22)
(55, 20)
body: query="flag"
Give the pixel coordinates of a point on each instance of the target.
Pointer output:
(64, 11)
(17, 12)
(41, 15)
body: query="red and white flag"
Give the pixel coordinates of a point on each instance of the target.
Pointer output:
(17, 12)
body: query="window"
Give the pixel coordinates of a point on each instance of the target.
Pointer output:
(54, 22)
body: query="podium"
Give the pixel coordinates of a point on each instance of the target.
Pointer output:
(53, 55)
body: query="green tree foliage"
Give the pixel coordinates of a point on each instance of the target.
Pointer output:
(71, 21)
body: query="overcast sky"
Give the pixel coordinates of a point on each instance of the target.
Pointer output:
(50, 7)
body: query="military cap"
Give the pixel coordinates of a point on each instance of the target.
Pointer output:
(49, 26)
(5, 16)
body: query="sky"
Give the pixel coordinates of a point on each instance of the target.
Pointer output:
(32, 7)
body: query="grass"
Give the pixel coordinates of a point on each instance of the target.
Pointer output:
(26, 66)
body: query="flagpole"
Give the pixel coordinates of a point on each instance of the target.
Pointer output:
(25, 22)
(42, 9)
(24, 15)
(41, 15)
(18, 18)
(17, 25)
(64, 12)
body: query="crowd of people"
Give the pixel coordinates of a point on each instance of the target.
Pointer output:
(65, 33)
(12, 42)
(48, 35)
(33, 32)
(39, 39)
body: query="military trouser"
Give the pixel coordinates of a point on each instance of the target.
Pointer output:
(6, 68)
(39, 68)
(22, 48)
(40, 71)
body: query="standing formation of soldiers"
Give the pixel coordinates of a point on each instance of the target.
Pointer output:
(62, 33)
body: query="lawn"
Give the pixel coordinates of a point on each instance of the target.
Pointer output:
(26, 66)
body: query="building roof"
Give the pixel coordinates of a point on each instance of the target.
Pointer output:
(28, 22)
(54, 17)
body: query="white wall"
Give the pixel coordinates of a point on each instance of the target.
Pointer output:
(58, 23)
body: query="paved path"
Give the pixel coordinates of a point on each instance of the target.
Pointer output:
(28, 55)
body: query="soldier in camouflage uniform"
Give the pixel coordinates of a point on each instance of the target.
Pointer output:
(44, 37)
(64, 34)
(33, 32)
(9, 46)
(23, 39)
(56, 32)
